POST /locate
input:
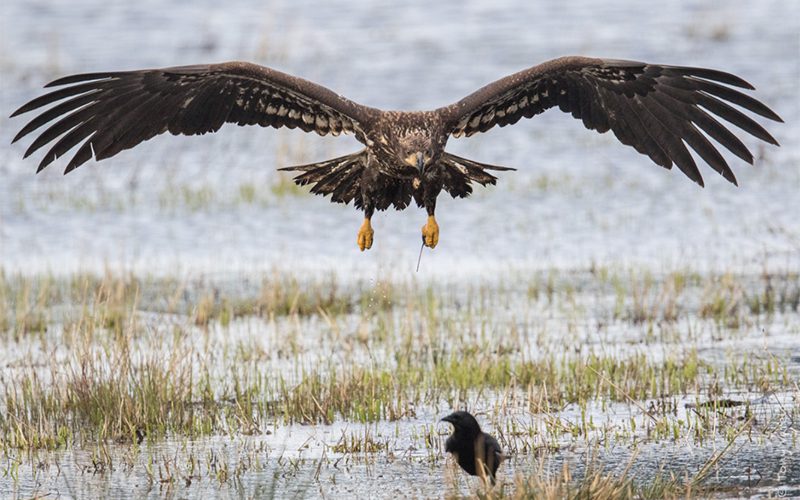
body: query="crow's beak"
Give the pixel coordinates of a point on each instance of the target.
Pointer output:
(448, 418)
(420, 162)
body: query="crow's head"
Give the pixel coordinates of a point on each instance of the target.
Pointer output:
(463, 423)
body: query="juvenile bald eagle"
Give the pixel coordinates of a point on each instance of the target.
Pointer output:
(657, 109)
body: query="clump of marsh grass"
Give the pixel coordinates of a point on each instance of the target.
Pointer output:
(361, 442)
(103, 395)
(593, 483)
(723, 301)
(24, 306)
(592, 478)
(278, 296)
(27, 304)
(367, 394)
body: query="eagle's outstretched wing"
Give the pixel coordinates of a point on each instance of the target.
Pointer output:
(651, 107)
(110, 112)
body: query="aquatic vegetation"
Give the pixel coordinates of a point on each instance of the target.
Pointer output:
(137, 360)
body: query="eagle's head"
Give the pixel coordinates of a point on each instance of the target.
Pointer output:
(416, 150)
(406, 144)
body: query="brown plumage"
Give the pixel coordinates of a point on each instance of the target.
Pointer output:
(478, 453)
(658, 110)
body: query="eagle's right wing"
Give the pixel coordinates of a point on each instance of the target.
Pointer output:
(110, 112)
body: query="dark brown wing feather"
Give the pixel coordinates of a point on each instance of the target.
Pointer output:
(656, 109)
(110, 112)
(458, 174)
(339, 177)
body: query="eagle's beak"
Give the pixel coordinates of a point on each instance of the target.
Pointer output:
(416, 160)
(420, 162)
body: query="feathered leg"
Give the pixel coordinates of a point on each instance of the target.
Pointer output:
(365, 234)
(430, 231)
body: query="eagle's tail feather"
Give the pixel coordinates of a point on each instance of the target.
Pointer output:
(338, 177)
(460, 172)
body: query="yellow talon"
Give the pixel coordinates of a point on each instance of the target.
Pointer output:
(365, 235)
(430, 232)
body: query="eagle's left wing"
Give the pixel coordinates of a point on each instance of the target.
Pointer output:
(109, 112)
(653, 108)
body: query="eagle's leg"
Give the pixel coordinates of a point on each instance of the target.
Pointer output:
(369, 183)
(430, 231)
(365, 233)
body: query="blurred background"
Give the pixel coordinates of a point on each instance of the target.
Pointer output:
(215, 203)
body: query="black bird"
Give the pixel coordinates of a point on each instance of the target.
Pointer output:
(478, 453)
(661, 111)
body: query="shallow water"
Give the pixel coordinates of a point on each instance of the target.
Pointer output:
(175, 206)
(297, 461)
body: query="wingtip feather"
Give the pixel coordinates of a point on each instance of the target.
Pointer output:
(720, 76)
(769, 139)
(82, 77)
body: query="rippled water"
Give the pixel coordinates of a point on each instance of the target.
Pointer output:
(754, 472)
